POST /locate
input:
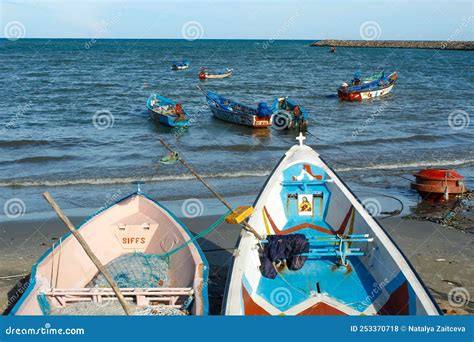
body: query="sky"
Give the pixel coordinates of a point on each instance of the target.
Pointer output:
(244, 19)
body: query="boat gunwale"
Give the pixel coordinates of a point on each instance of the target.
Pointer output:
(32, 280)
(382, 230)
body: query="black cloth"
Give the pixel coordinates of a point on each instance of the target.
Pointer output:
(283, 247)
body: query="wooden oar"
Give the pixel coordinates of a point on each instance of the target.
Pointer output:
(219, 197)
(89, 252)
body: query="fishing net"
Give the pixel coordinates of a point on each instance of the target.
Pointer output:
(113, 308)
(136, 270)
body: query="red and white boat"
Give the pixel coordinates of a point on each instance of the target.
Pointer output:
(359, 89)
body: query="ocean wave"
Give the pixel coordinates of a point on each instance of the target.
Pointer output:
(36, 159)
(127, 180)
(407, 165)
(23, 142)
(411, 138)
(221, 175)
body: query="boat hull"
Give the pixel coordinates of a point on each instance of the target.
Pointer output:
(167, 120)
(241, 119)
(377, 281)
(363, 95)
(134, 225)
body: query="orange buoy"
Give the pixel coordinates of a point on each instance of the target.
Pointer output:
(439, 184)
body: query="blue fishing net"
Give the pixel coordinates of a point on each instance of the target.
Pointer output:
(136, 270)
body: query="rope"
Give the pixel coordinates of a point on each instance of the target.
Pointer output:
(197, 236)
(14, 276)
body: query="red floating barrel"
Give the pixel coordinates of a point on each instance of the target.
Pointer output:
(439, 183)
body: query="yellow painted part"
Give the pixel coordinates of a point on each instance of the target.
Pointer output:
(265, 221)
(239, 214)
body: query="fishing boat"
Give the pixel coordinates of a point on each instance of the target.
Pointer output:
(151, 255)
(367, 88)
(288, 114)
(231, 111)
(204, 74)
(166, 111)
(317, 251)
(183, 65)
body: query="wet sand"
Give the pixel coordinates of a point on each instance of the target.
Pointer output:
(442, 256)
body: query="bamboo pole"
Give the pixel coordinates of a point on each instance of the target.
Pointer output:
(219, 197)
(89, 252)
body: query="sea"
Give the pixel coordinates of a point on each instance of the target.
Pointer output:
(73, 120)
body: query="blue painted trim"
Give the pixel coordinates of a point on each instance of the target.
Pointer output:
(417, 276)
(32, 283)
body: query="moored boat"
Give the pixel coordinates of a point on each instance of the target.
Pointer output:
(322, 252)
(183, 65)
(288, 114)
(360, 89)
(204, 74)
(231, 111)
(151, 255)
(166, 111)
(439, 184)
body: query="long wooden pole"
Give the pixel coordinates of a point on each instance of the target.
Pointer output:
(89, 252)
(219, 197)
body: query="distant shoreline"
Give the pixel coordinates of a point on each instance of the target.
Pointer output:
(399, 44)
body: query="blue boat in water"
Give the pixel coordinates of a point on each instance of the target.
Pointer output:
(166, 111)
(183, 65)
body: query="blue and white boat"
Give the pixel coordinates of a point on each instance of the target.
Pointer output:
(183, 65)
(322, 253)
(166, 111)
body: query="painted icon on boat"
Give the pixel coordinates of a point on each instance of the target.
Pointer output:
(305, 206)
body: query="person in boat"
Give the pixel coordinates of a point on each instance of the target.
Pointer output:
(178, 109)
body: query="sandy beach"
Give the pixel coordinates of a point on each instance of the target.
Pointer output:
(441, 255)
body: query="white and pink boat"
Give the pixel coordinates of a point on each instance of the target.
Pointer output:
(150, 254)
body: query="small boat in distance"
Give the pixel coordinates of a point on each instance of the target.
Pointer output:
(166, 111)
(366, 88)
(183, 65)
(204, 74)
(151, 256)
(288, 115)
(333, 49)
(231, 111)
(322, 252)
